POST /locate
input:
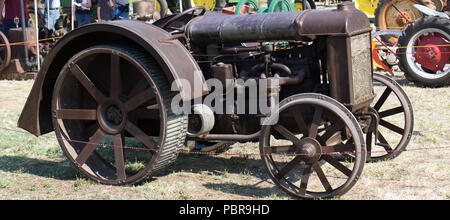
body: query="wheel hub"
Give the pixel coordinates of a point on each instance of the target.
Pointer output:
(112, 116)
(402, 21)
(430, 55)
(310, 149)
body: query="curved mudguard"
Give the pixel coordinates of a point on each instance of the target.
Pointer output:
(172, 56)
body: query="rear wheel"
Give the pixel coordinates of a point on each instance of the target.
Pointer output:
(112, 115)
(424, 53)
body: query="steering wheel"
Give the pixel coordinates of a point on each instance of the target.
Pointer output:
(191, 11)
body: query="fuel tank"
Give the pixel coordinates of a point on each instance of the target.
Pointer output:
(346, 20)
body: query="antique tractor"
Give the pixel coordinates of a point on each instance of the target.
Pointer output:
(124, 97)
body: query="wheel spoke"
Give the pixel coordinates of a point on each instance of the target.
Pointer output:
(140, 135)
(87, 83)
(391, 112)
(119, 157)
(153, 107)
(384, 142)
(331, 130)
(90, 147)
(287, 134)
(288, 167)
(338, 148)
(336, 164)
(382, 99)
(392, 127)
(116, 83)
(305, 178)
(280, 149)
(299, 119)
(323, 179)
(139, 99)
(315, 122)
(76, 114)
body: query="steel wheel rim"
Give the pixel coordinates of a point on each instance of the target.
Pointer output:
(405, 131)
(410, 50)
(302, 190)
(70, 151)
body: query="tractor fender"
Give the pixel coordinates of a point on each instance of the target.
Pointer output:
(177, 63)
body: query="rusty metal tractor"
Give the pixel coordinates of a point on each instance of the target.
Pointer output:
(111, 93)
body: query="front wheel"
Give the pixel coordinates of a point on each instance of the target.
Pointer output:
(396, 120)
(302, 141)
(424, 54)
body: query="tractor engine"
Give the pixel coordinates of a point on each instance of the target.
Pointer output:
(314, 51)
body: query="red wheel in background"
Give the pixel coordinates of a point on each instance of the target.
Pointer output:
(424, 54)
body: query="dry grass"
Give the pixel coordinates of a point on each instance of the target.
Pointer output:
(34, 168)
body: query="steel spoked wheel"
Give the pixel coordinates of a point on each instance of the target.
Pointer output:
(5, 52)
(425, 54)
(301, 150)
(396, 120)
(112, 116)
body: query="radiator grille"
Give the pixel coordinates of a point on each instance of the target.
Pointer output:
(361, 68)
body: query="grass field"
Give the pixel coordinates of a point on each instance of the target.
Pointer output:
(34, 168)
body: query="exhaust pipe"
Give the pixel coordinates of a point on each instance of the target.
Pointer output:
(25, 38)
